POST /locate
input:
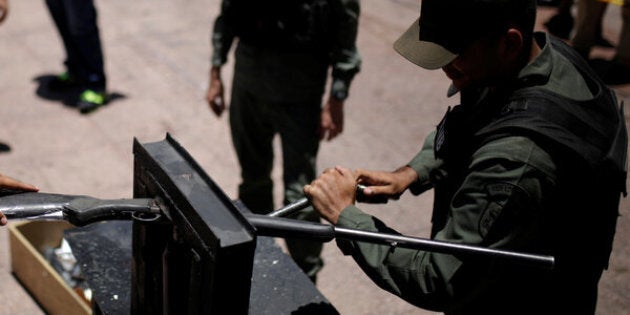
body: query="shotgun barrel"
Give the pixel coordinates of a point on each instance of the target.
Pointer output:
(287, 228)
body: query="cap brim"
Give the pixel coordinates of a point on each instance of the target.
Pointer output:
(425, 54)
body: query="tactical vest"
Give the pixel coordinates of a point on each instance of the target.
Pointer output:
(296, 24)
(592, 130)
(586, 138)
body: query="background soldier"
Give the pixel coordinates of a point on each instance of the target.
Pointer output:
(284, 54)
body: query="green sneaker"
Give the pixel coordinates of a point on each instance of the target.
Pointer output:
(90, 100)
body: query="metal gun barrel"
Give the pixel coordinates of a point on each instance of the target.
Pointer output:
(291, 208)
(283, 227)
(541, 261)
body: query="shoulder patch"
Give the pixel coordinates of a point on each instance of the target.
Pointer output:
(493, 218)
(499, 189)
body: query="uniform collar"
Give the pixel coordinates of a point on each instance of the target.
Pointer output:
(538, 71)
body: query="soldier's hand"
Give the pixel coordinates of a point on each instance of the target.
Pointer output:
(332, 192)
(214, 95)
(8, 183)
(4, 10)
(390, 185)
(331, 123)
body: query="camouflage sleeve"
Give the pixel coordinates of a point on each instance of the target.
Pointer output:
(346, 61)
(419, 277)
(424, 163)
(496, 206)
(222, 37)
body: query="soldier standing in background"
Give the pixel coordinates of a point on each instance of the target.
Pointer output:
(285, 51)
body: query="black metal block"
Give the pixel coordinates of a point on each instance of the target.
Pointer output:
(198, 257)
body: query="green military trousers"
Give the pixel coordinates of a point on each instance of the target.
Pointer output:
(254, 123)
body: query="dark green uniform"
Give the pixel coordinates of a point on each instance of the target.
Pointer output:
(515, 190)
(284, 53)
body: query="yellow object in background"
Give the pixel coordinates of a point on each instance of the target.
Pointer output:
(617, 2)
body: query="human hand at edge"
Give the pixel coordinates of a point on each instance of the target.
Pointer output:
(331, 122)
(214, 95)
(332, 192)
(7, 182)
(385, 184)
(4, 10)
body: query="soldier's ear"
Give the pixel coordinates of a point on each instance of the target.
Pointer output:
(512, 43)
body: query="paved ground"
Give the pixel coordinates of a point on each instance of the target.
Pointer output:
(157, 55)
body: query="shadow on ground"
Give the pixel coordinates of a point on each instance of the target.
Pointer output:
(4, 147)
(68, 96)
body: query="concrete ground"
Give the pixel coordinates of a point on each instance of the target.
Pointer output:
(157, 59)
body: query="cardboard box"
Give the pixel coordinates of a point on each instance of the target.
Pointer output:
(28, 240)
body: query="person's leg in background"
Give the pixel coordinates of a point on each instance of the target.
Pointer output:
(254, 123)
(76, 21)
(69, 78)
(588, 29)
(617, 70)
(561, 24)
(298, 127)
(623, 49)
(252, 137)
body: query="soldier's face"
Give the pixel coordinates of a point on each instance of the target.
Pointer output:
(478, 65)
